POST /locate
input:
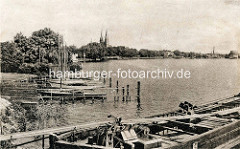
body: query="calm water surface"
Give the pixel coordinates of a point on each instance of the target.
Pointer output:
(210, 80)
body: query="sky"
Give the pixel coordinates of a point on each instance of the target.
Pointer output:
(186, 25)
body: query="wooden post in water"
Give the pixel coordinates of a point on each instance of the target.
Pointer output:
(104, 80)
(51, 95)
(43, 141)
(73, 135)
(103, 98)
(73, 97)
(127, 97)
(110, 82)
(117, 91)
(123, 92)
(84, 98)
(61, 100)
(117, 87)
(138, 92)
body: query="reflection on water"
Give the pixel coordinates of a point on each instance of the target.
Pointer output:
(210, 79)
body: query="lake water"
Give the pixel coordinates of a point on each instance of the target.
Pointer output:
(210, 79)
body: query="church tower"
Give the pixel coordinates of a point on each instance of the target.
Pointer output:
(101, 38)
(106, 40)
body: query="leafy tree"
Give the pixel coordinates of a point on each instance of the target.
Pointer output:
(143, 53)
(48, 43)
(23, 44)
(11, 57)
(177, 53)
(29, 54)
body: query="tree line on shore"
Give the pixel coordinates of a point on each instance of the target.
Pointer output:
(35, 54)
(99, 51)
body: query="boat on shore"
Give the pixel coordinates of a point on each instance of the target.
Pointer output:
(76, 84)
(70, 89)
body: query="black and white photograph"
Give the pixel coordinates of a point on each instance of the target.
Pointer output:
(120, 74)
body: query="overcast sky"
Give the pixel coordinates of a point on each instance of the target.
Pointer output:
(187, 25)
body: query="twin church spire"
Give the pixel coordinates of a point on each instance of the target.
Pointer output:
(104, 41)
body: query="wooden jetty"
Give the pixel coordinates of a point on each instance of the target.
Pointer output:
(186, 130)
(70, 94)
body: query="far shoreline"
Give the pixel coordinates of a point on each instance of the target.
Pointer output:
(147, 58)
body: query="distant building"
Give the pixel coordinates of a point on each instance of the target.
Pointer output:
(233, 55)
(168, 54)
(213, 51)
(105, 41)
(74, 57)
(111, 58)
(215, 55)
